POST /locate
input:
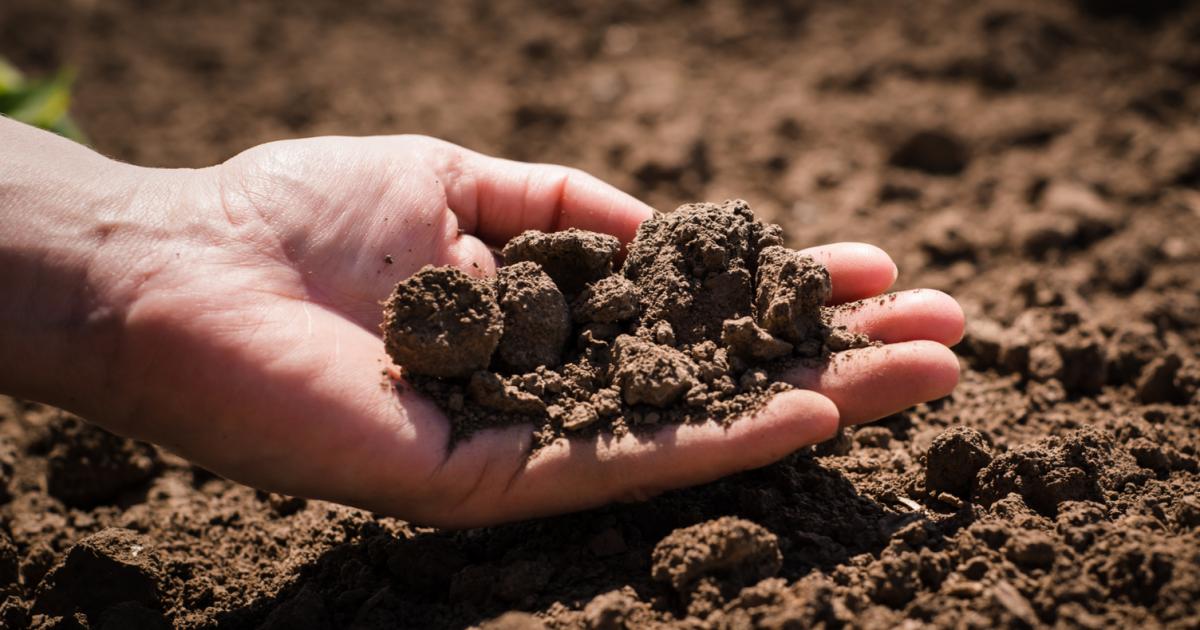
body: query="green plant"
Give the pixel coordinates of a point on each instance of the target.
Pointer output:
(40, 102)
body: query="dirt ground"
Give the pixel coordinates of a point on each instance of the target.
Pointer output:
(1040, 161)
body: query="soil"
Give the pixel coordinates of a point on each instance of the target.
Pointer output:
(666, 338)
(1040, 161)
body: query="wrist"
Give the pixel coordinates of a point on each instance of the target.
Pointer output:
(79, 240)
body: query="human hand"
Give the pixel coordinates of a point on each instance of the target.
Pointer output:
(250, 344)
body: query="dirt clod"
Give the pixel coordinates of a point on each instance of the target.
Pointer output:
(536, 320)
(747, 340)
(88, 466)
(792, 288)
(107, 568)
(954, 458)
(608, 300)
(573, 258)
(1083, 465)
(650, 373)
(695, 266)
(441, 322)
(738, 550)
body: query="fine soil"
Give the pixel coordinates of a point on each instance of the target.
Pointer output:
(700, 323)
(1040, 161)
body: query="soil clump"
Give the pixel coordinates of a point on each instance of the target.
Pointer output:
(706, 313)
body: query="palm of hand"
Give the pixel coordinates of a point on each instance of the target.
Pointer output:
(268, 318)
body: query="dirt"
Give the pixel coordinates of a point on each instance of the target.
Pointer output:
(1040, 161)
(665, 338)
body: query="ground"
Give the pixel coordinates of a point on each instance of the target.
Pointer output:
(1040, 161)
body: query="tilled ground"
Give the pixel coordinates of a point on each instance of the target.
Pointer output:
(1039, 161)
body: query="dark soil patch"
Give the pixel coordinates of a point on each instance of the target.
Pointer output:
(1059, 205)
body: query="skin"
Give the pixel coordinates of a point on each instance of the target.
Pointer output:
(231, 314)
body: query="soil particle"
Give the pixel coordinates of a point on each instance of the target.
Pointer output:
(573, 258)
(953, 459)
(536, 320)
(792, 288)
(735, 549)
(107, 568)
(87, 465)
(441, 322)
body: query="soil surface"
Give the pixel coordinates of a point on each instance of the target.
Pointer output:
(1040, 161)
(700, 323)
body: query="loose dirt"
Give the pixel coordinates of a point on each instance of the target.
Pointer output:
(1040, 161)
(682, 332)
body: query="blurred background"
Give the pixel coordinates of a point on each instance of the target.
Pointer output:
(1038, 159)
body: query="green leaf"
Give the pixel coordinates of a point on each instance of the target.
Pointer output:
(42, 103)
(11, 79)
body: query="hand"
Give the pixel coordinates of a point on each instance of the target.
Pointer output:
(250, 344)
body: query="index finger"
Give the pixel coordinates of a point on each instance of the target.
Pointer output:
(496, 199)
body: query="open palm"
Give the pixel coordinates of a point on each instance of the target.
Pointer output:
(255, 340)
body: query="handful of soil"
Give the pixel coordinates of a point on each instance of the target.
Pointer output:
(707, 307)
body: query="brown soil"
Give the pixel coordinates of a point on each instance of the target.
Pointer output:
(666, 338)
(1041, 161)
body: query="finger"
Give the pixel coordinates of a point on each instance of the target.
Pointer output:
(470, 255)
(870, 383)
(497, 199)
(857, 270)
(905, 316)
(577, 474)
